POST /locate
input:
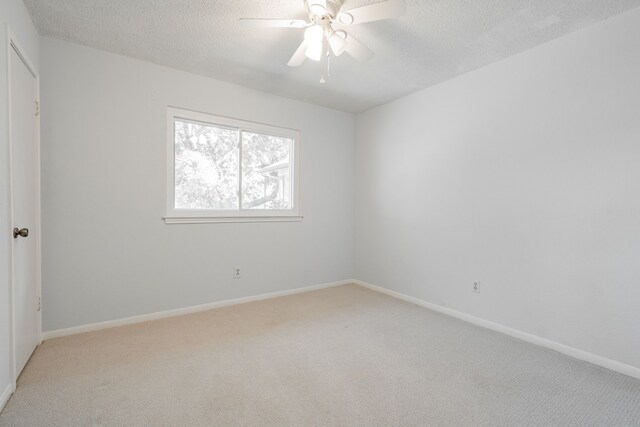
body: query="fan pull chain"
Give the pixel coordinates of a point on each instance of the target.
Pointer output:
(325, 62)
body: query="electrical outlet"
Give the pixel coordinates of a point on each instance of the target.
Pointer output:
(236, 273)
(476, 287)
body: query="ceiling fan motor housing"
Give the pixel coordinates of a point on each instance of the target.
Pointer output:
(332, 6)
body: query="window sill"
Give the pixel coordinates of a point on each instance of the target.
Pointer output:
(229, 219)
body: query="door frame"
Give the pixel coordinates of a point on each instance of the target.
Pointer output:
(14, 43)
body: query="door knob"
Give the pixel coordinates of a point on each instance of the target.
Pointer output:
(22, 233)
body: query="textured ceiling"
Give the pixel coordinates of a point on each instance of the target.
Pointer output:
(436, 40)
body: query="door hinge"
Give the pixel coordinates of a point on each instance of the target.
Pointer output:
(37, 108)
(38, 303)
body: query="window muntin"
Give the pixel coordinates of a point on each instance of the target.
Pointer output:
(221, 168)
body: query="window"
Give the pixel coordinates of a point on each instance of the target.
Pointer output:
(229, 170)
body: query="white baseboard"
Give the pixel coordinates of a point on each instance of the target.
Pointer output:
(622, 368)
(185, 310)
(5, 396)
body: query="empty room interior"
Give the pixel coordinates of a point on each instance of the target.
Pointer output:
(320, 213)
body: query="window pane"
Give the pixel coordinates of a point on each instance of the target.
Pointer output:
(206, 166)
(266, 175)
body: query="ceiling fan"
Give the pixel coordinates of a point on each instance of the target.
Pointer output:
(320, 36)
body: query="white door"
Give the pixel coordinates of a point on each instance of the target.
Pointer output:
(24, 189)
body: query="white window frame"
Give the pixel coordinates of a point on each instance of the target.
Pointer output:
(195, 216)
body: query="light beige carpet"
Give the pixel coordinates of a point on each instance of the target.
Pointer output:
(344, 356)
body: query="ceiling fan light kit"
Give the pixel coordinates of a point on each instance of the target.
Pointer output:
(314, 33)
(321, 39)
(314, 51)
(314, 39)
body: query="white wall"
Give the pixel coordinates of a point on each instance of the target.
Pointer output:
(106, 252)
(524, 175)
(13, 15)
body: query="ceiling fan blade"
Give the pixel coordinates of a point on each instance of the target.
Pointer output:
(317, 7)
(374, 12)
(356, 49)
(298, 57)
(337, 42)
(274, 23)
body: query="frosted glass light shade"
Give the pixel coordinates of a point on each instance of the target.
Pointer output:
(314, 33)
(314, 51)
